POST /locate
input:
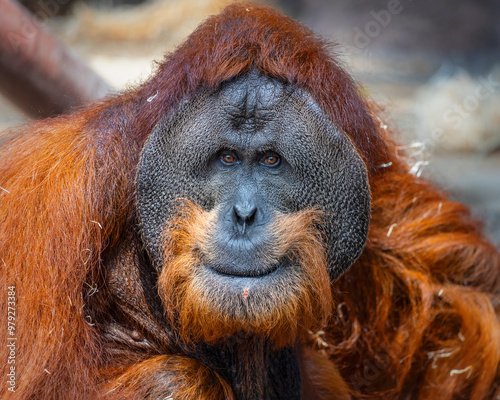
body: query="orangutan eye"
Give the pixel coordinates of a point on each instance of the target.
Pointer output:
(228, 158)
(271, 160)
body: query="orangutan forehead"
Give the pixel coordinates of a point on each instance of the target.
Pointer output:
(252, 99)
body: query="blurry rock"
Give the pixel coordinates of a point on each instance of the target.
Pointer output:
(458, 112)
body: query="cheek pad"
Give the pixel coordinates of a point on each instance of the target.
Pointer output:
(165, 175)
(330, 175)
(349, 209)
(333, 178)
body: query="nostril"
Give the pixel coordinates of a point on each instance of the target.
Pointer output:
(245, 212)
(245, 215)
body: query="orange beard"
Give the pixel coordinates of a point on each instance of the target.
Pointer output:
(282, 306)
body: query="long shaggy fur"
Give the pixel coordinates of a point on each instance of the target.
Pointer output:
(192, 381)
(419, 311)
(417, 316)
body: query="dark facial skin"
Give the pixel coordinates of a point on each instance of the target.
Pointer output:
(246, 169)
(250, 149)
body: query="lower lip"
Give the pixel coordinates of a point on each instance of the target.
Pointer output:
(261, 275)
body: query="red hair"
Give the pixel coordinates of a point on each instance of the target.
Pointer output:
(417, 313)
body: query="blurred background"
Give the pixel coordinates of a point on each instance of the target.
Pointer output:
(433, 66)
